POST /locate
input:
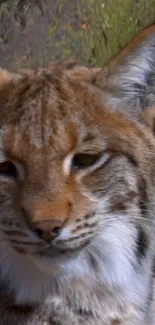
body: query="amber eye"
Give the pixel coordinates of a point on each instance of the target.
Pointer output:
(8, 169)
(82, 160)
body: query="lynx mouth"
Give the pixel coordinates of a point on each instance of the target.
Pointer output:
(60, 251)
(58, 263)
(53, 251)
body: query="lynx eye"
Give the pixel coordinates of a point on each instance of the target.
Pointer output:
(82, 160)
(8, 169)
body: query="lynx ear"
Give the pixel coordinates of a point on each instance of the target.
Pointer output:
(6, 78)
(87, 74)
(131, 87)
(78, 70)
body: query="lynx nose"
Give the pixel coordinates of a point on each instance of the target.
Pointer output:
(47, 230)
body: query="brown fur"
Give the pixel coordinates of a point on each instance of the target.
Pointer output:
(47, 115)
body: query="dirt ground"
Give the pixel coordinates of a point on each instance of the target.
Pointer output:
(29, 38)
(93, 31)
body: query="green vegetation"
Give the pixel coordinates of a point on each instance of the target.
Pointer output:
(93, 31)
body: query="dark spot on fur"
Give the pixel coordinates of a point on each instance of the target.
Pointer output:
(20, 310)
(84, 235)
(118, 206)
(84, 225)
(70, 206)
(79, 228)
(78, 220)
(15, 314)
(88, 137)
(143, 197)
(86, 217)
(92, 261)
(86, 314)
(92, 225)
(123, 205)
(142, 243)
(89, 216)
(62, 109)
(132, 195)
(132, 160)
(116, 322)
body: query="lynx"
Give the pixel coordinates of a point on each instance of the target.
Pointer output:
(77, 194)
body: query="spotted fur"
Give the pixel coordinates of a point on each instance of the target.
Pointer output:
(99, 268)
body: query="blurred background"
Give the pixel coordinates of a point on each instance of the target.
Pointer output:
(35, 32)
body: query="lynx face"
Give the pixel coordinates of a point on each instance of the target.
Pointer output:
(76, 181)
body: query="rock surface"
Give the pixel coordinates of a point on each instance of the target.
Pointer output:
(34, 32)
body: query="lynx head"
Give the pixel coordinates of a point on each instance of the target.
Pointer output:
(76, 182)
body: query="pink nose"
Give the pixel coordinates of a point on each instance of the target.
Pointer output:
(47, 230)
